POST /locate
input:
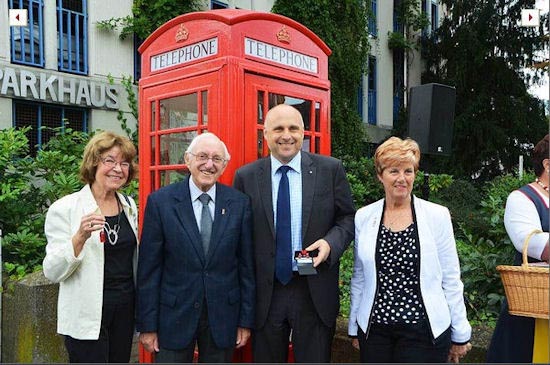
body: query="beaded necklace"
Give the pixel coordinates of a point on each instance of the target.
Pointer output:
(545, 187)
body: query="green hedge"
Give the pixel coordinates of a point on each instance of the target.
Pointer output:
(28, 185)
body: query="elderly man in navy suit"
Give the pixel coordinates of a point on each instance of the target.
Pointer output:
(300, 201)
(195, 273)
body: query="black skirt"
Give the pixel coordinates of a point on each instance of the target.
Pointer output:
(513, 338)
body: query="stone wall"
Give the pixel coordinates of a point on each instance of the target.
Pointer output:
(29, 322)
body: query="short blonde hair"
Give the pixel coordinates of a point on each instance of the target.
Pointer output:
(99, 144)
(395, 151)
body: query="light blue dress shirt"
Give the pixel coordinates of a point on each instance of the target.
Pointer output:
(295, 189)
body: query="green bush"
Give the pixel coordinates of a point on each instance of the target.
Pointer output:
(29, 185)
(365, 186)
(346, 270)
(463, 200)
(484, 245)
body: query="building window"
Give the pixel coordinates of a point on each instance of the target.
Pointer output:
(424, 9)
(72, 30)
(218, 5)
(43, 117)
(398, 82)
(371, 101)
(398, 59)
(372, 19)
(434, 16)
(397, 26)
(27, 43)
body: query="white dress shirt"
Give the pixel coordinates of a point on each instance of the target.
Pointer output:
(521, 218)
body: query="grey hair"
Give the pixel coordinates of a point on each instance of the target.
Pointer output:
(207, 135)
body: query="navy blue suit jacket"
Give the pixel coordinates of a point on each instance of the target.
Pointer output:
(175, 278)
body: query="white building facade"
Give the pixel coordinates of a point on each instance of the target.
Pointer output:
(384, 90)
(61, 70)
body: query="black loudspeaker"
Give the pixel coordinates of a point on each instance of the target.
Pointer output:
(431, 116)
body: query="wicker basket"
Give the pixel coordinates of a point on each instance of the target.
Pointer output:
(526, 287)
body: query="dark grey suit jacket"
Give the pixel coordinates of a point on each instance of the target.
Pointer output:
(327, 212)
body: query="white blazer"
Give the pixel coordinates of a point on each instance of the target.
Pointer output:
(80, 278)
(440, 284)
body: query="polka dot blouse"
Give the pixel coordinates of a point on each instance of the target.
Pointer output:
(398, 299)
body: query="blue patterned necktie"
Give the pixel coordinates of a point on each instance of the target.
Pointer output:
(283, 238)
(206, 222)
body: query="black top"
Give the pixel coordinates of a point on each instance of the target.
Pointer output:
(398, 299)
(118, 281)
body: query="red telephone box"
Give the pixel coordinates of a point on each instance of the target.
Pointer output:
(220, 71)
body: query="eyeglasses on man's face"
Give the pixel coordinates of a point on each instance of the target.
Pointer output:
(203, 157)
(110, 163)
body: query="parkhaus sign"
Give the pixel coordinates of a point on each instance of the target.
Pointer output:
(59, 89)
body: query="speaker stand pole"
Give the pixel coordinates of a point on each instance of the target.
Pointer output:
(426, 184)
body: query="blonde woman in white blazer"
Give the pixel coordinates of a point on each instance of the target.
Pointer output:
(92, 254)
(406, 294)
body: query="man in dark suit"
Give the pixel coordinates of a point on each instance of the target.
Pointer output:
(320, 217)
(195, 274)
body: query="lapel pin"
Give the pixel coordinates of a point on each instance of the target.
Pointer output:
(311, 172)
(223, 211)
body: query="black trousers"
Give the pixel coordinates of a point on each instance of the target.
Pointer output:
(209, 352)
(115, 337)
(407, 343)
(292, 309)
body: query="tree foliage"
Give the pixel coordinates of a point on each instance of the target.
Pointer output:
(482, 50)
(485, 244)
(342, 25)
